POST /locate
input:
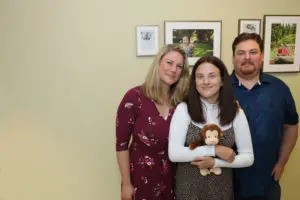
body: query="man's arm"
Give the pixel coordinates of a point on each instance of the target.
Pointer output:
(289, 140)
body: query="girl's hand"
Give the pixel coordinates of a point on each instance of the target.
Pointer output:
(225, 153)
(204, 162)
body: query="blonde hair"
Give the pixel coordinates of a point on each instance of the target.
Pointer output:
(153, 86)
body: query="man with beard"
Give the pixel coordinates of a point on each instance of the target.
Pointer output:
(272, 116)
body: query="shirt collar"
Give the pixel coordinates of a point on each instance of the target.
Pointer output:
(209, 106)
(263, 78)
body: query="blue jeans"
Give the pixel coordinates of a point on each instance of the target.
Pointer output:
(273, 194)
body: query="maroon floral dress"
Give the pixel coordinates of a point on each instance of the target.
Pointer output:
(152, 173)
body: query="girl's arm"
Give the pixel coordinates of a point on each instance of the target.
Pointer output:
(178, 152)
(244, 157)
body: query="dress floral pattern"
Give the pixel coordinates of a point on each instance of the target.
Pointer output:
(138, 121)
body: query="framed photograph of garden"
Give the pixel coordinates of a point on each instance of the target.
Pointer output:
(197, 38)
(249, 26)
(281, 43)
(147, 43)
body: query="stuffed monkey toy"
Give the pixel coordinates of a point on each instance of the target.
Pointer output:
(211, 135)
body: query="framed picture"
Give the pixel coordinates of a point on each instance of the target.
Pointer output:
(198, 38)
(249, 26)
(147, 40)
(282, 43)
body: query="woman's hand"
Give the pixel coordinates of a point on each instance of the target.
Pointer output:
(127, 192)
(204, 162)
(225, 153)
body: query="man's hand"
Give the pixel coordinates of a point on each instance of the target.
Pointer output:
(277, 171)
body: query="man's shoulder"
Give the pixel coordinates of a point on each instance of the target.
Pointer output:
(233, 78)
(273, 80)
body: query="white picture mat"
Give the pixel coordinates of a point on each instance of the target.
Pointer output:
(147, 40)
(269, 20)
(215, 25)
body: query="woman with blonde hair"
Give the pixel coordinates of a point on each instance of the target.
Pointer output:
(142, 127)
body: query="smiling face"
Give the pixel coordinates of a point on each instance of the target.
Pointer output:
(247, 59)
(208, 82)
(170, 68)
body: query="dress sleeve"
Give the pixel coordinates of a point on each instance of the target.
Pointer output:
(177, 137)
(125, 120)
(244, 157)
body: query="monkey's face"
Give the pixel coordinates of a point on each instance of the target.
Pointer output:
(212, 137)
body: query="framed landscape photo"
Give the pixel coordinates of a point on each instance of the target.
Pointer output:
(282, 43)
(197, 38)
(147, 40)
(249, 26)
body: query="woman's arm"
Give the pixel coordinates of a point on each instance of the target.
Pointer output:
(177, 137)
(244, 157)
(125, 121)
(127, 187)
(123, 161)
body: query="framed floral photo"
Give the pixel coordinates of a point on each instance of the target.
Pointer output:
(281, 43)
(249, 26)
(147, 40)
(197, 38)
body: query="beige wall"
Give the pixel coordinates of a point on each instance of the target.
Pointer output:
(64, 66)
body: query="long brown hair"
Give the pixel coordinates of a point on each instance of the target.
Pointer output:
(227, 104)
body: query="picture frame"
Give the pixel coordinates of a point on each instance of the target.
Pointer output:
(281, 43)
(147, 40)
(249, 26)
(198, 38)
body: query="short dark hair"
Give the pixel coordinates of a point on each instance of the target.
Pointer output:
(248, 36)
(227, 103)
